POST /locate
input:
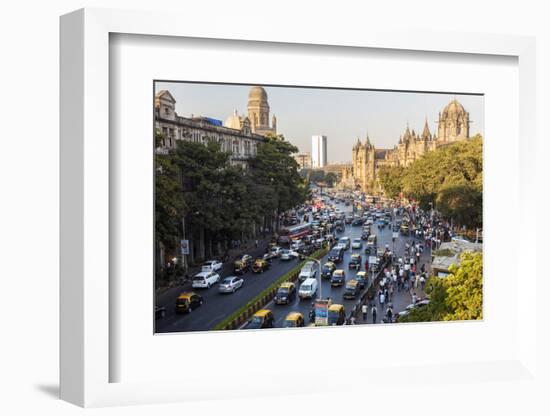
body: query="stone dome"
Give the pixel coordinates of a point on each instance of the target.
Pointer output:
(454, 107)
(233, 121)
(257, 94)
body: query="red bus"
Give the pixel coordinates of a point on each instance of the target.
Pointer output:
(287, 234)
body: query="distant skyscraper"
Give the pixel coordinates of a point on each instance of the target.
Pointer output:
(318, 151)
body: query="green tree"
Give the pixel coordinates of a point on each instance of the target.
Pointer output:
(169, 202)
(465, 288)
(459, 296)
(391, 179)
(274, 169)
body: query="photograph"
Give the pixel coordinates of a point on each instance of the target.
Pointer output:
(302, 207)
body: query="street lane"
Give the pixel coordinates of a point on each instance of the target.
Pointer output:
(217, 306)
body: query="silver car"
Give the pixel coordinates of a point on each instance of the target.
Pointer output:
(230, 284)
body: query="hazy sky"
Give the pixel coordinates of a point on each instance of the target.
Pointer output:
(341, 115)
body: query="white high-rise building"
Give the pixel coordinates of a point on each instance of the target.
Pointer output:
(318, 151)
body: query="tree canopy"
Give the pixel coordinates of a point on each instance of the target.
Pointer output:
(451, 177)
(459, 296)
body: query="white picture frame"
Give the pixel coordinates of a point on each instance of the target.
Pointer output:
(85, 352)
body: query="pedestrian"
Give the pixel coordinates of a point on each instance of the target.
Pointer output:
(416, 281)
(422, 282)
(423, 268)
(364, 310)
(391, 293)
(414, 298)
(256, 243)
(389, 315)
(352, 320)
(373, 313)
(381, 299)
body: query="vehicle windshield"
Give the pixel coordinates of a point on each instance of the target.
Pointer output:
(256, 322)
(350, 288)
(227, 281)
(289, 323)
(282, 291)
(305, 287)
(357, 240)
(208, 264)
(327, 268)
(198, 278)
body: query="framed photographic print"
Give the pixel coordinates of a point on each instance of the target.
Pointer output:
(225, 199)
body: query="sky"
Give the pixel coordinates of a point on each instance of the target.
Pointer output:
(341, 115)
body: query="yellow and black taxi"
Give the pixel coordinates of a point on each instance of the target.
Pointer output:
(336, 314)
(262, 319)
(338, 278)
(294, 320)
(188, 301)
(260, 265)
(352, 289)
(285, 294)
(362, 278)
(328, 269)
(355, 261)
(242, 265)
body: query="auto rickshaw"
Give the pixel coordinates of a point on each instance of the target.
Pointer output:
(260, 265)
(242, 265)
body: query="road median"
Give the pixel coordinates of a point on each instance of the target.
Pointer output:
(240, 316)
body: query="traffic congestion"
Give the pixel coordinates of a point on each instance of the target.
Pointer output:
(375, 259)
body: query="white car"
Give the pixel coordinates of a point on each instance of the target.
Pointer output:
(308, 288)
(308, 271)
(345, 241)
(230, 284)
(204, 280)
(296, 245)
(276, 251)
(357, 243)
(287, 254)
(212, 266)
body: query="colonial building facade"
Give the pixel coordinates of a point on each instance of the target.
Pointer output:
(237, 135)
(367, 160)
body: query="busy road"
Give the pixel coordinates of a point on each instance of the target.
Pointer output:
(216, 306)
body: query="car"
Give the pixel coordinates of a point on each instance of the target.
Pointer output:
(262, 319)
(362, 278)
(309, 270)
(355, 261)
(275, 251)
(204, 280)
(187, 302)
(369, 221)
(294, 320)
(285, 293)
(160, 312)
(352, 289)
(336, 314)
(260, 265)
(230, 284)
(327, 269)
(372, 240)
(296, 245)
(338, 278)
(308, 288)
(349, 218)
(305, 251)
(345, 241)
(287, 254)
(357, 243)
(211, 266)
(356, 222)
(365, 235)
(336, 255)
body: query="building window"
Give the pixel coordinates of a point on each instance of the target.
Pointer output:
(236, 149)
